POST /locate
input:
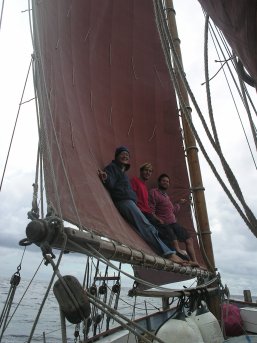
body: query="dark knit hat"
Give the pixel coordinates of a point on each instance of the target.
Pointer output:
(120, 149)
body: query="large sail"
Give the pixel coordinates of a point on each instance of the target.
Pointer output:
(103, 82)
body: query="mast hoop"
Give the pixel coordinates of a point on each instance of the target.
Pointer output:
(192, 147)
(196, 189)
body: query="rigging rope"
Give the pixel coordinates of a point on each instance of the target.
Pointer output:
(24, 293)
(253, 128)
(47, 292)
(15, 124)
(233, 78)
(230, 176)
(15, 280)
(250, 219)
(1, 17)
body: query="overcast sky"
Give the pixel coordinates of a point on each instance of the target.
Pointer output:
(235, 247)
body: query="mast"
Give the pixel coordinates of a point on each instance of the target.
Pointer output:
(193, 161)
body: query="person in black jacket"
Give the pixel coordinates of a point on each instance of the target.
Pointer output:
(117, 183)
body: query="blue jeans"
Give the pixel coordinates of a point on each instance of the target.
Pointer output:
(129, 210)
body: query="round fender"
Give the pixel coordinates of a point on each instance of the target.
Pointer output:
(208, 325)
(178, 330)
(74, 311)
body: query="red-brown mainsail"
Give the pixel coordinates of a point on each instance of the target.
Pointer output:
(104, 83)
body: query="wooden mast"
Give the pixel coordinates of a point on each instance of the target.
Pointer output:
(193, 162)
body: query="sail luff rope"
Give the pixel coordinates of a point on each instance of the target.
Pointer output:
(213, 35)
(250, 224)
(40, 142)
(44, 87)
(15, 124)
(43, 129)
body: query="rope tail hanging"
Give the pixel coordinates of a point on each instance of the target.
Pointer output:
(168, 45)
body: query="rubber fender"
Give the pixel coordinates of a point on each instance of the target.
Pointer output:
(208, 325)
(177, 329)
(74, 311)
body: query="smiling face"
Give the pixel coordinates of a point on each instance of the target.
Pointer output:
(123, 158)
(164, 183)
(146, 173)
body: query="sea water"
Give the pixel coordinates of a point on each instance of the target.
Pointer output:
(48, 329)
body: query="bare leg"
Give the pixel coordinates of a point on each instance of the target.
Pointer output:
(190, 249)
(191, 252)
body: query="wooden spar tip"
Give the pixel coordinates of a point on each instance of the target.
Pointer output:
(248, 296)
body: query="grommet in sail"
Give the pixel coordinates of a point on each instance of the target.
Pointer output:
(72, 299)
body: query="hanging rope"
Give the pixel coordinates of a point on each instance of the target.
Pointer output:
(15, 280)
(230, 176)
(25, 292)
(232, 58)
(253, 128)
(250, 219)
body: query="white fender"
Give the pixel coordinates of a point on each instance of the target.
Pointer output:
(178, 329)
(208, 325)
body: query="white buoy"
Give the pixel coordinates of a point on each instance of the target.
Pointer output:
(179, 329)
(207, 324)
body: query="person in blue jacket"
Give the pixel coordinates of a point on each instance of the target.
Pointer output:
(117, 183)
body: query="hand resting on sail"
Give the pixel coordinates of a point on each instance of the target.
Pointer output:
(117, 183)
(102, 174)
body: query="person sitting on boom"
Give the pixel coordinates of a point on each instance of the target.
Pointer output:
(166, 233)
(117, 183)
(164, 211)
